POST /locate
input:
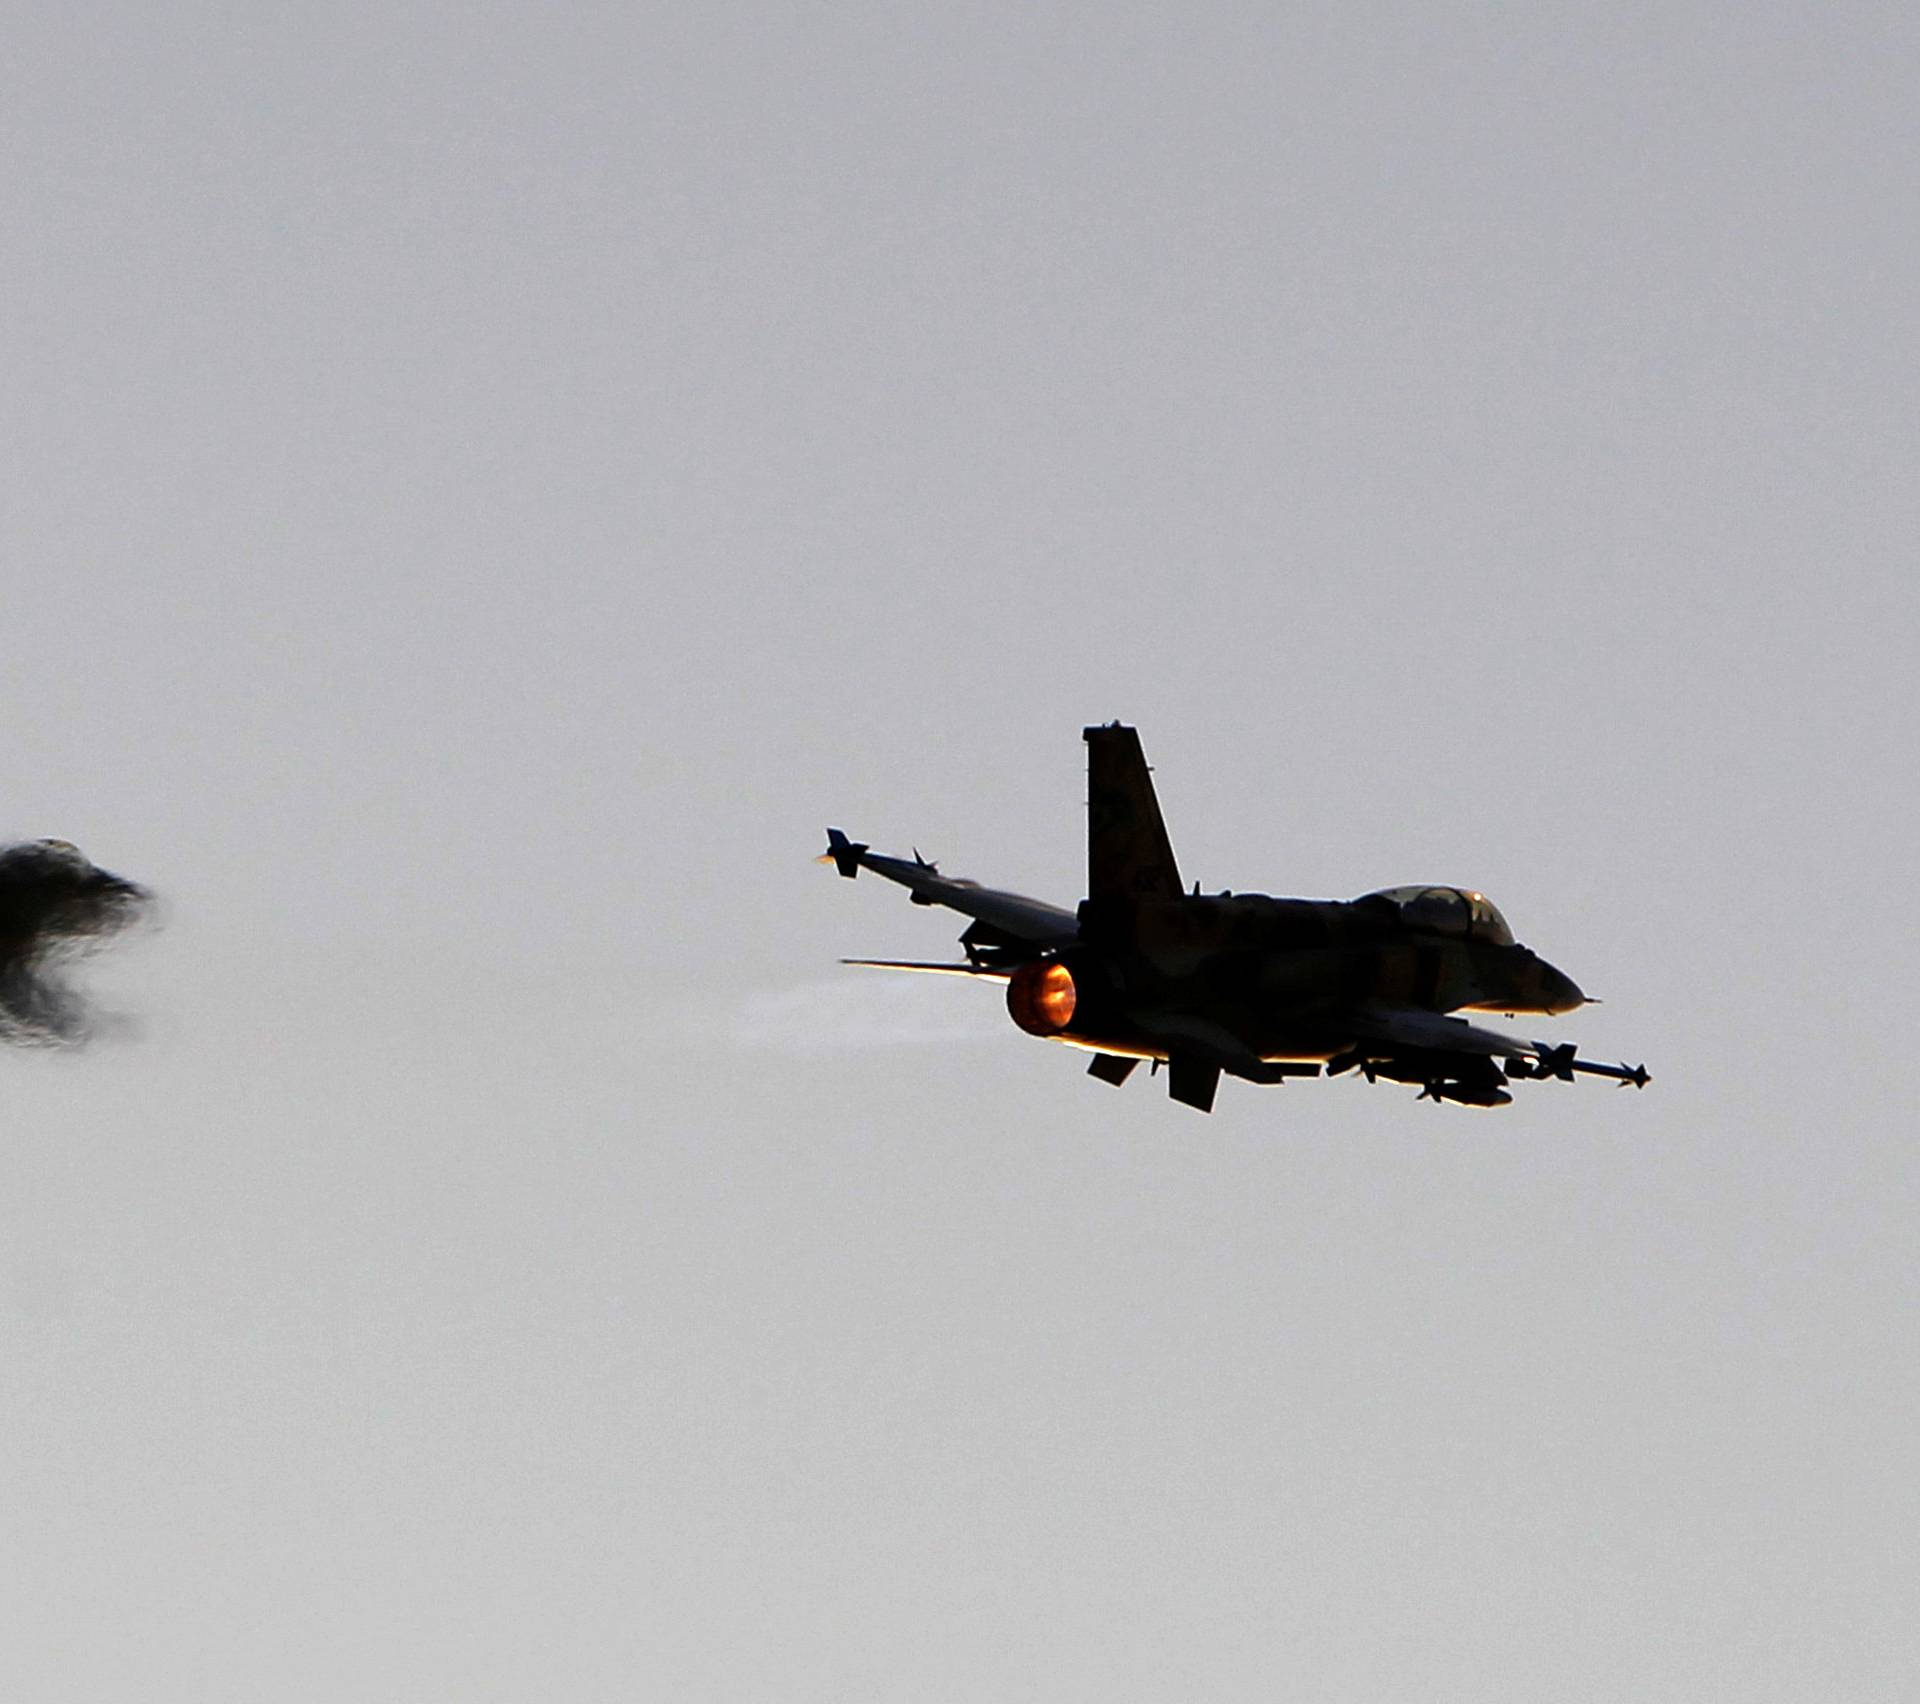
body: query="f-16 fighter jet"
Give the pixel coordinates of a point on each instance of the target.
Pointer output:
(55, 906)
(1252, 986)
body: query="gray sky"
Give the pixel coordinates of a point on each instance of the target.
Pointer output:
(485, 486)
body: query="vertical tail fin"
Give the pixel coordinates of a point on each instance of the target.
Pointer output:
(1128, 854)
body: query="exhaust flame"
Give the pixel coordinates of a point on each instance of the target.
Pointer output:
(1041, 997)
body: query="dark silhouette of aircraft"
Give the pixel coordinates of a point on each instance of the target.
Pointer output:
(1246, 984)
(55, 906)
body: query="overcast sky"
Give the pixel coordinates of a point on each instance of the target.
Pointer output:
(485, 486)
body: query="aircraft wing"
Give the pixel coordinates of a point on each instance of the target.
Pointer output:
(1410, 1032)
(1030, 921)
(1413, 1027)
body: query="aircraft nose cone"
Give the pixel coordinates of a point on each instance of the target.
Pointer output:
(1561, 993)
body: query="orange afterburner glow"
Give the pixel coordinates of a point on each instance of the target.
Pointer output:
(1040, 997)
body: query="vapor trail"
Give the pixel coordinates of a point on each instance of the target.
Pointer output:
(855, 1011)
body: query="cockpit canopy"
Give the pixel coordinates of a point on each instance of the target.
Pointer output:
(1449, 911)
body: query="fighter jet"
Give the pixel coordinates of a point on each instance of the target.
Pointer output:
(55, 906)
(1243, 984)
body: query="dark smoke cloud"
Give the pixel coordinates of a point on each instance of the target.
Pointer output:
(55, 907)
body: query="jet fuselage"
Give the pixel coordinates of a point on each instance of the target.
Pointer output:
(1264, 969)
